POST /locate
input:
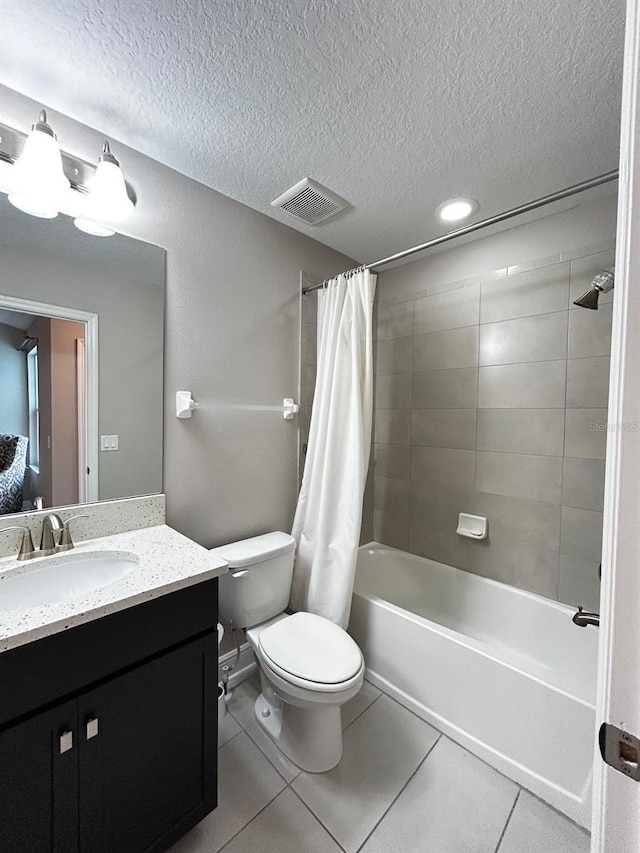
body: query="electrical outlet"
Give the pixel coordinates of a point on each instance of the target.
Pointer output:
(108, 442)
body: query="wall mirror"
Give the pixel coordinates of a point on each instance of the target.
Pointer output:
(81, 364)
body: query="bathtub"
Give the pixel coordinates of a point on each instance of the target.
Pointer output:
(503, 672)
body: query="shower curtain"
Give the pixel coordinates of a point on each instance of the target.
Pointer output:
(329, 512)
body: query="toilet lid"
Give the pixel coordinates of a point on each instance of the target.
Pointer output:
(312, 648)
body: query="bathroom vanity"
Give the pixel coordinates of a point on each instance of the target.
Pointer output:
(108, 705)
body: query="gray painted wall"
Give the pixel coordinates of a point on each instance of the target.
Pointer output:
(232, 336)
(14, 409)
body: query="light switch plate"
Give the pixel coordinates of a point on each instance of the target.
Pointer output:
(108, 442)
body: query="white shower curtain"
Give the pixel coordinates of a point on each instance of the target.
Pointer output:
(329, 512)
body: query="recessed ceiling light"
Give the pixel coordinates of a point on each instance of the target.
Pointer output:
(456, 209)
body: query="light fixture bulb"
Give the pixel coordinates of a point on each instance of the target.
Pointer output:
(108, 198)
(457, 209)
(93, 228)
(38, 179)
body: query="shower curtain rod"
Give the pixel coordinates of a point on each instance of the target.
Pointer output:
(484, 223)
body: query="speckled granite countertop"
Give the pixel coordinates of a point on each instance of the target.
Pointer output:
(168, 561)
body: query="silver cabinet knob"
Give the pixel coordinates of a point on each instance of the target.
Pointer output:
(92, 727)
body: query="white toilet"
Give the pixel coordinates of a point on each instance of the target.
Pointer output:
(309, 666)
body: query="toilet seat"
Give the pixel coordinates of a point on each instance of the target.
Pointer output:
(311, 652)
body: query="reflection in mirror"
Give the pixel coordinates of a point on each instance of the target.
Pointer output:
(81, 355)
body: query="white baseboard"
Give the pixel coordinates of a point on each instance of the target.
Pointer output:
(245, 666)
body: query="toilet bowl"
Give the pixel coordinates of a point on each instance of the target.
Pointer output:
(308, 666)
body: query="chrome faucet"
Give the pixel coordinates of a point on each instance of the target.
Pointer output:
(583, 618)
(51, 527)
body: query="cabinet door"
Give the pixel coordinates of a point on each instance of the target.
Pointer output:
(148, 752)
(39, 783)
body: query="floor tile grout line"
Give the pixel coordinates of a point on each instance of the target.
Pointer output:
(311, 811)
(364, 710)
(271, 762)
(395, 799)
(244, 826)
(233, 737)
(504, 828)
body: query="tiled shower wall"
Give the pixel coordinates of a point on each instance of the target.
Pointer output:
(491, 398)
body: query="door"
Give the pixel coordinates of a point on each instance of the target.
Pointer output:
(38, 788)
(616, 822)
(148, 751)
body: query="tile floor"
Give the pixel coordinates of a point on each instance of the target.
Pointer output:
(401, 787)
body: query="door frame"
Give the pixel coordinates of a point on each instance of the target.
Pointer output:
(90, 321)
(616, 802)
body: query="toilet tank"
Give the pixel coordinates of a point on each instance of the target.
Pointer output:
(258, 583)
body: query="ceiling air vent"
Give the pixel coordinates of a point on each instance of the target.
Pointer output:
(310, 202)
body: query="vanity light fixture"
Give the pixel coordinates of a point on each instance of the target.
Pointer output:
(108, 198)
(456, 209)
(42, 180)
(38, 180)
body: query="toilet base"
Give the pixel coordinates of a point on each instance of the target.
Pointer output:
(310, 737)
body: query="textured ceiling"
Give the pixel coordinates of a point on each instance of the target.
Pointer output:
(394, 104)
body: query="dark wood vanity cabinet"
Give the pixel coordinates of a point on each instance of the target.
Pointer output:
(126, 761)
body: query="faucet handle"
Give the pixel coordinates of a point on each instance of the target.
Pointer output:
(66, 542)
(27, 551)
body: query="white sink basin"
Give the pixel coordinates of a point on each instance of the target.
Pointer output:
(63, 577)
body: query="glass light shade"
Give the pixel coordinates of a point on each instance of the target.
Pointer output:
(108, 199)
(38, 180)
(456, 209)
(93, 228)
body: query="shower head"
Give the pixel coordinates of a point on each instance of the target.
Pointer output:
(602, 283)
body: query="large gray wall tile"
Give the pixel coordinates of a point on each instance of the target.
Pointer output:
(392, 426)
(583, 271)
(394, 356)
(434, 519)
(439, 505)
(537, 385)
(587, 383)
(532, 523)
(392, 460)
(539, 291)
(439, 543)
(540, 338)
(533, 431)
(395, 320)
(455, 428)
(391, 527)
(449, 310)
(585, 433)
(446, 350)
(581, 533)
(590, 332)
(516, 564)
(445, 467)
(579, 583)
(391, 495)
(393, 392)
(537, 478)
(583, 483)
(445, 389)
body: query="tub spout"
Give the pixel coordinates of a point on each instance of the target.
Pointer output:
(582, 618)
